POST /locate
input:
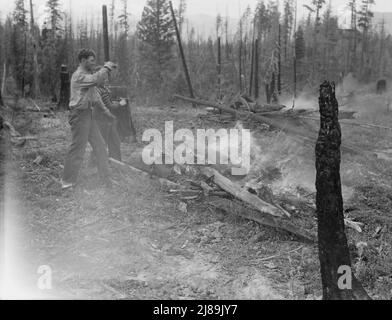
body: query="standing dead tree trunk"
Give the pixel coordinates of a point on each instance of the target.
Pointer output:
(252, 62)
(1, 100)
(4, 78)
(240, 58)
(252, 67)
(105, 33)
(279, 61)
(186, 71)
(24, 64)
(333, 248)
(256, 68)
(219, 69)
(294, 79)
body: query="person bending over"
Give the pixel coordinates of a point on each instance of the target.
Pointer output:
(108, 126)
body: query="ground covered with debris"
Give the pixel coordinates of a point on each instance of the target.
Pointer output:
(138, 241)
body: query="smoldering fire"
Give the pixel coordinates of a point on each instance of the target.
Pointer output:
(234, 147)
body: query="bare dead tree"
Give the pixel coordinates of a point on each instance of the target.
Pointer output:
(279, 62)
(219, 68)
(240, 58)
(257, 68)
(186, 70)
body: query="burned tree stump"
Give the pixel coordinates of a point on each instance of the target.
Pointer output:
(125, 121)
(64, 89)
(381, 86)
(5, 156)
(1, 99)
(333, 248)
(125, 126)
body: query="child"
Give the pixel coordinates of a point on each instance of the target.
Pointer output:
(107, 121)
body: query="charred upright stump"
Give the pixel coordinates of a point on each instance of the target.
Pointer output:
(333, 248)
(1, 100)
(381, 86)
(64, 89)
(125, 123)
(5, 157)
(268, 93)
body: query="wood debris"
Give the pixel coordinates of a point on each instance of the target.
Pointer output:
(243, 194)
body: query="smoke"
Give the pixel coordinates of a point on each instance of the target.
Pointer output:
(304, 101)
(281, 162)
(369, 106)
(349, 85)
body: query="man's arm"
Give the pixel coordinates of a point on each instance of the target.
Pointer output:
(85, 80)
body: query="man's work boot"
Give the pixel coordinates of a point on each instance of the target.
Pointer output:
(92, 161)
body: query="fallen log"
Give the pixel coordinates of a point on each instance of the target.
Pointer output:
(262, 218)
(11, 129)
(265, 109)
(227, 109)
(243, 194)
(279, 121)
(354, 124)
(128, 168)
(357, 226)
(25, 138)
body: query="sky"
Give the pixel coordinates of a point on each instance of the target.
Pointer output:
(87, 8)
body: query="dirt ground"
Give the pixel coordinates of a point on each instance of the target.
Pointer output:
(133, 241)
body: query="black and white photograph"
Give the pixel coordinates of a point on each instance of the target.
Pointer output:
(195, 151)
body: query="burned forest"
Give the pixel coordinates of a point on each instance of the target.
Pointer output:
(163, 150)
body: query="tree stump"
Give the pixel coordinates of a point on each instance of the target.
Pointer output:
(381, 86)
(333, 248)
(63, 103)
(1, 100)
(125, 123)
(5, 156)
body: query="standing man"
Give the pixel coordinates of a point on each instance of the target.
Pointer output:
(85, 97)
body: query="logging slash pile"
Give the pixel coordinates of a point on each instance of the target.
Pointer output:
(253, 197)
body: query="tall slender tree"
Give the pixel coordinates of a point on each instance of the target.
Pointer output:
(52, 52)
(287, 24)
(156, 31)
(353, 39)
(122, 52)
(19, 44)
(181, 15)
(34, 38)
(318, 5)
(364, 23)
